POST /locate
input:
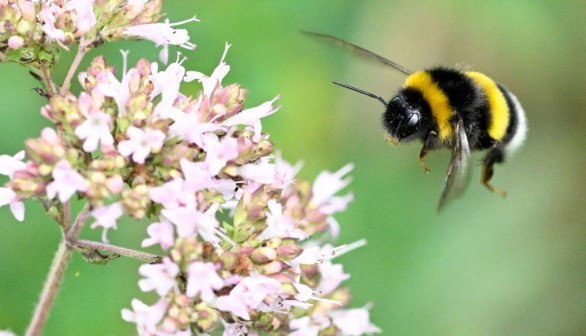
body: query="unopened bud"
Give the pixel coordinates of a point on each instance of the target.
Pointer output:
(263, 255)
(272, 267)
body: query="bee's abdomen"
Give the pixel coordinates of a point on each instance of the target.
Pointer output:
(498, 117)
(517, 126)
(491, 114)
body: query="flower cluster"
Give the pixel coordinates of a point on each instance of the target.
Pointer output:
(243, 238)
(137, 146)
(31, 31)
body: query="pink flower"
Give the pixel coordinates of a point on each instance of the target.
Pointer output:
(308, 326)
(202, 278)
(197, 175)
(160, 233)
(50, 136)
(66, 182)
(95, 128)
(215, 79)
(234, 329)
(191, 221)
(167, 83)
(227, 188)
(8, 196)
(279, 226)
(172, 195)
(315, 254)
(284, 172)
(306, 293)
(109, 86)
(159, 277)
(252, 117)
(218, 153)
(27, 9)
(141, 143)
(9, 333)
(261, 172)
(232, 304)
(106, 217)
(189, 127)
(162, 34)
(248, 294)
(145, 317)
(353, 322)
(85, 14)
(48, 17)
(11, 164)
(331, 277)
(327, 184)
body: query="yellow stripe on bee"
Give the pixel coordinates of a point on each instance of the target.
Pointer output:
(499, 110)
(437, 100)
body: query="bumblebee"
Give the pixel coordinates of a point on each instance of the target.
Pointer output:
(450, 108)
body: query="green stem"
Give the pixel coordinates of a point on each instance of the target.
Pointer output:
(123, 251)
(47, 79)
(73, 233)
(57, 271)
(60, 263)
(81, 50)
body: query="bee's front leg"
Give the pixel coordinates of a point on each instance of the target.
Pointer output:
(429, 143)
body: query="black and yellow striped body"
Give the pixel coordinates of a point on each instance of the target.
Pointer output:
(449, 108)
(460, 110)
(487, 109)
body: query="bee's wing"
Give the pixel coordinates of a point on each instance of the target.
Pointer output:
(359, 51)
(457, 177)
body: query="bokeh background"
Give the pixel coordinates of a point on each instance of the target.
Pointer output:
(484, 266)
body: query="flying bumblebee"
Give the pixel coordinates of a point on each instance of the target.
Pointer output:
(449, 108)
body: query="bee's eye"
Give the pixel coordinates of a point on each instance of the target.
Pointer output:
(413, 119)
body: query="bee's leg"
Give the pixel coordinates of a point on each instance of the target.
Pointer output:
(430, 143)
(495, 155)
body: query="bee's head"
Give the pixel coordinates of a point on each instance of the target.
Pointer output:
(407, 116)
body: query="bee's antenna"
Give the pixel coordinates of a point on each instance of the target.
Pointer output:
(371, 95)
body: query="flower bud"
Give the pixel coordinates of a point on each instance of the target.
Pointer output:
(180, 313)
(243, 265)
(272, 268)
(115, 184)
(98, 187)
(186, 250)
(263, 255)
(169, 325)
(28, 182)
(265, 147)
(15, 42)
(136, 200)
(207, 317)
(289, 249)
(46, 150)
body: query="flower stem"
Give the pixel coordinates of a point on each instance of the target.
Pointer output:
(123, 251)
(57, 271)
(60, 263)
(47, 79)
(81, 50)
(73, 232)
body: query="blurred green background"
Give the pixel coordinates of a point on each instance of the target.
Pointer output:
(484, 266)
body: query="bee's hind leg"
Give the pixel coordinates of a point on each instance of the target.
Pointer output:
(494, 155)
